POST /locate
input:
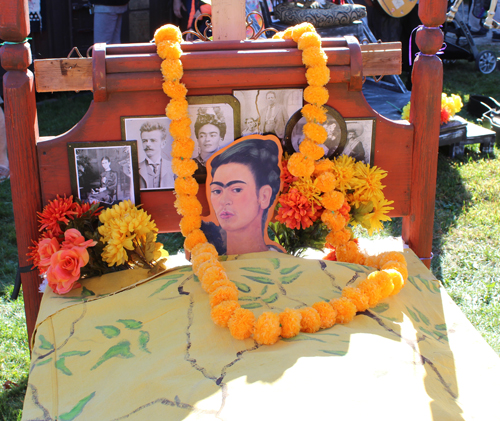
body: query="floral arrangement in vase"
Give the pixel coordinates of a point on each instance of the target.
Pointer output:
(80, 240)
(450, 105)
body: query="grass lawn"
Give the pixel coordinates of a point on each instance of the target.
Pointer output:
(466, 233)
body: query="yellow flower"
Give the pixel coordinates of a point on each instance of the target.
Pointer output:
(168, 33)
(308, 189)
(367, 181)
(405, 115)
(310, 149)
(317, 95)
(314, 57)
(299, 30)
(314, 114)
(308, 40)
(343, 170)
(375, 218)
(318, 76)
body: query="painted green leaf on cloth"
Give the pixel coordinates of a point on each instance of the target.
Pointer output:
(43, 362)
(264, 290)
(380, 308)
(286, 271)
(423, 317)
(413, 315)
(248, 298)
(275, 262)
(290, 278)
(164, 286)
(262, 271)
(121, 350)
(74, 353)
(356, 268)
(130, 323)
(109, 331)
(242, 287)
(302, 337)
(61, 365)
(143, 341)
(87, 292)
(77, 409)
(337, 353)
(271, 299)
(441, 327)
(45, 344)
(250, 306)
(260, 279)
(412, 281)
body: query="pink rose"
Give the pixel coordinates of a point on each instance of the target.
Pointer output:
(74, 238)
(64, 269)
(46, 248)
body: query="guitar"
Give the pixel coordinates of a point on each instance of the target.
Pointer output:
(397, 8)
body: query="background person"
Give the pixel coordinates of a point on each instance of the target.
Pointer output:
(274, 117)
(156, 170)
(108, 15)
(4, 160)
(354, 145)
(108, 182)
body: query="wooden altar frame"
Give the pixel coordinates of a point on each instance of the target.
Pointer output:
(125, 80)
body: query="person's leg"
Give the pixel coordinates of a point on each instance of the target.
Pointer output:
(116, 38)
(104, 27)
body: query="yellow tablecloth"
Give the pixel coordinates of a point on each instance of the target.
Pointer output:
(125, 348)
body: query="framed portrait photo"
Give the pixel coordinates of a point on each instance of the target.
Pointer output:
(335, 126)
(360, 143)
(104, 172)
(267, 111)
(154, 150)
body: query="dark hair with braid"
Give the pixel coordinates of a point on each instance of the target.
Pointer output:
(261, 157)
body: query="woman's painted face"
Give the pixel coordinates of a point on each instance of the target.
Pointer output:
(234, 197)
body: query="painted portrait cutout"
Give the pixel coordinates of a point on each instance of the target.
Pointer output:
(243, 184)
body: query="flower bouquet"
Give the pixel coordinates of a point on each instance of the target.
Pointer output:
(80, 240)
(450, 105)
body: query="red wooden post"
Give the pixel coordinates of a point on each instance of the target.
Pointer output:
(22, 135)
(427, 78)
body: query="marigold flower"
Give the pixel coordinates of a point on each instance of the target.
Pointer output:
(338, 238)
(182, 148)
(222, 312)
(334, 221)
(177, 109)
(346, 310)
(222, 294)
(311, 322)
(350, 253)
(313, 113)
(384, 283)
(332, 200)
(184, 167)
(174, 89)
(309, 40)
(311, 150)
(325, 181)
(306, 187)
(168, 33)
(241, 323)
(300, 29)
(396, 279)
(186, 185)
(189, 223)
(278, 35)
(372, 261)
(405, 115)
(199, 258)
(315, 132)
(371, 289)
(290, 323)
(296, 211)
(314, 57)
(180, 129)
(172, 70)
(300, 165)
(187, 205)
(286, 176)
(446, 114)
(332, 256)
(211, 275)
(203, 267)
(327, 314)
(323, 165)
(267, 328)
(318, 76)
(357, 297)
(391, 255)
(397, 266)
(169, 50)
(195, 237)
(221, 283)
(204, 248)
(287, 33)
(61, 209)
(317, 95)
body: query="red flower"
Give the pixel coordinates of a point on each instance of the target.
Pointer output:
(331, 256)
(58, 210)
(445, 115)
(344, 211)
(296, 211)
(286, 176)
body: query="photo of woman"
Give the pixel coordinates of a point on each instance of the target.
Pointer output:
(242, 189)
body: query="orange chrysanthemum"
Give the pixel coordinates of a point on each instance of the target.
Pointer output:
(222, 294)
(350, 253)
(311, 150)
(241, 323)
(204, 248)
(186, 185)
(296, 211)
(314, 114)
(345, 308)
(396, 279)
(327, 314)
(211, 275)
(334, 221)
(397, 266)
(169, 50)
(323, 165)
(195, 237)
(187, 205)
(203, 267)
(357, 297)
(371, 289)
(286, 176)
(311, 322)
(180, 129)
(198, 259)
(222, 312)
(189, 224)
(177, 109)
(172, 70)
(314, 57)
(221, 283)
(338, 238)
(184, 167)
(290, 323)
(168, 33)
(315, 132)
(317, 95)
(174, 89)
(318, 76)
(267, 328)
(384, 283)
(84, 207)
(182, 148)
(332, 200)
(309, 40)
(300, 165)
(61, 209)
(325, 181)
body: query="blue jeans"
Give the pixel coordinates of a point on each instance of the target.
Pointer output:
(108, 23)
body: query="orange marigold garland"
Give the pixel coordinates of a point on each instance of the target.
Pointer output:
(296, 209)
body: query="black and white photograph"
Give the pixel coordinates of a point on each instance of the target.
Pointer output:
(104, 173)
(266, 111)
(360, 139)
(335, 126)
(214, 125)
(154, 145)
